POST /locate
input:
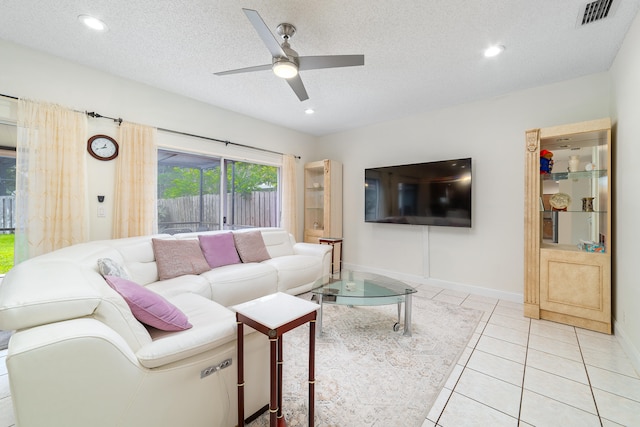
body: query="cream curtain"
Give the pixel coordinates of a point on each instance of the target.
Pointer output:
(51, 194)
(289, 218)
(136, 177)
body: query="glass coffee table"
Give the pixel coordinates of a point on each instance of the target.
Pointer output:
(357, 288)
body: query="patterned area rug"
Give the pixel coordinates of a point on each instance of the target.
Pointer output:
(368, 375)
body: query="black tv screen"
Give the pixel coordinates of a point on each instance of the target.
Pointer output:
(433, 193)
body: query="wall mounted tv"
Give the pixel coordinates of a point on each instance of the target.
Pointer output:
(434, 193)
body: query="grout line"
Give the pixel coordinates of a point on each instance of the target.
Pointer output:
(464, 367)
(566, 404)
(524, 373)
(586, 371)
(484, 404)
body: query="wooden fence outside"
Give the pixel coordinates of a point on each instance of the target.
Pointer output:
(257, 209)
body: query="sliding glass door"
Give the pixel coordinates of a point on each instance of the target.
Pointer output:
(251, 195)
(193, 197)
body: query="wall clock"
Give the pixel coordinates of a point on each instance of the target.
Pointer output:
(102, 147)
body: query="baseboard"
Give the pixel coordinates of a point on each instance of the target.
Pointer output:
(623, 338)
(462, 287)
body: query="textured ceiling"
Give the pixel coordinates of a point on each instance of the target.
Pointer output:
(420, 55)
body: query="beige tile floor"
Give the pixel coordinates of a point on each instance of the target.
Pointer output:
(516, 372)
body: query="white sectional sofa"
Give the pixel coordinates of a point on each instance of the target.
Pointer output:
(80, 357)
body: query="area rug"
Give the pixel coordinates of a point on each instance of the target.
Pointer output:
(369, 375)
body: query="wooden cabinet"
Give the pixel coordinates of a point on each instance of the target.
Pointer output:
(568, 237)
(322, 200)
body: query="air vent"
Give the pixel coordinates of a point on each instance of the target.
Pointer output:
(596, 11)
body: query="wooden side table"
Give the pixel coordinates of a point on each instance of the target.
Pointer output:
(333, 241)
(273, 315)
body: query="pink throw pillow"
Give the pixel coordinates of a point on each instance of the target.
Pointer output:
(178, 257)
(149, 307)
(250, 246)
(219, 249)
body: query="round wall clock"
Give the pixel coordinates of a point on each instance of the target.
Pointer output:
(102, 147)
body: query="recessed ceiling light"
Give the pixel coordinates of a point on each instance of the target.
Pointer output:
(494, 51)
(93, 23)
(309, 111)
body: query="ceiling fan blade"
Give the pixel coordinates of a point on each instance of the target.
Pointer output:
(245, 70)
(329, 61)
(298, 87)
(263, 31)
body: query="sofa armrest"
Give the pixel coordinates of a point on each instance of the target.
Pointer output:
(315, 249)
(38, 292)
(67, 332)
(312, 249)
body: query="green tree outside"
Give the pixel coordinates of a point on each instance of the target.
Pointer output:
(174, 181)
(250, 177)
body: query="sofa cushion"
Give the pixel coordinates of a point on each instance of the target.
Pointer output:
(149, 307)
(250, 246)
(219, 249)
(233, 284)
(109, 267)
(189, 283)
(278, 241)
(213, 325)
(137, 256)
(178, 257)
(295, 270)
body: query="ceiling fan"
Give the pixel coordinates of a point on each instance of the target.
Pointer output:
(285, 61)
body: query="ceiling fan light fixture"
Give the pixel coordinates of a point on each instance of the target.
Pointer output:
(285, 69)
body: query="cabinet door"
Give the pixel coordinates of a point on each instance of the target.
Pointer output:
(577, 285)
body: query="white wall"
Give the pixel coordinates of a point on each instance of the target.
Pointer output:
(625, 74)
(490, 254)
(31, 74)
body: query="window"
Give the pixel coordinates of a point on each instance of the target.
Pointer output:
(190, 192)
(7, 209)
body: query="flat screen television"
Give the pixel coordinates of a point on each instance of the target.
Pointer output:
(433, 193)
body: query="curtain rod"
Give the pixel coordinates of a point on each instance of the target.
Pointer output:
(176, 132)
(223, 141)
(119, 121)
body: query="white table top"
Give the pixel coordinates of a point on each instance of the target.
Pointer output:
(276, 309)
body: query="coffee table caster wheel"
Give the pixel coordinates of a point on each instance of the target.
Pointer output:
(396, 327)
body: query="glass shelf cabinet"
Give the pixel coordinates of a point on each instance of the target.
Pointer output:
(322, 200)
(568, 225)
